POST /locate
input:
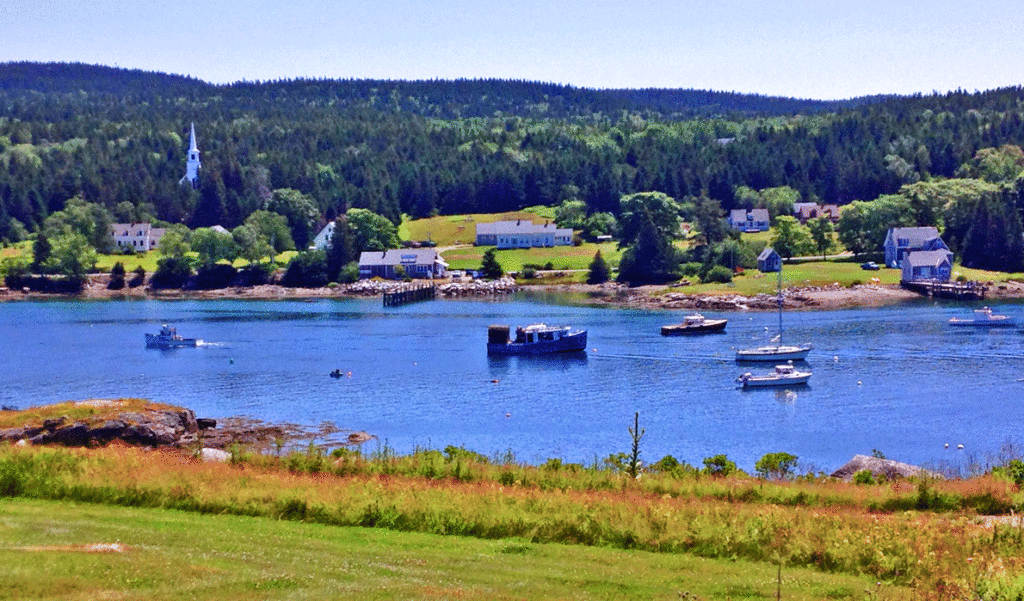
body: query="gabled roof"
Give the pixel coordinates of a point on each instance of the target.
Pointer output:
(930, 258)
(403, 256)
(520, 226)
(767, 253)
(759, 214)
(915, 236)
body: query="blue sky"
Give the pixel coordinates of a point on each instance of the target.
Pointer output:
(807, 49)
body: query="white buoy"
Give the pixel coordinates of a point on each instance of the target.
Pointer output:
(960, 447)
(945, 446)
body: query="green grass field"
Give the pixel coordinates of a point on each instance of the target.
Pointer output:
(164, 554)
(560, 257)
(451, 230)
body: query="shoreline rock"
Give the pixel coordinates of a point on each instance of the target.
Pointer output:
(159, 426)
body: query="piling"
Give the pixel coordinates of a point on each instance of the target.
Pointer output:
(950, 290)
(410, 293)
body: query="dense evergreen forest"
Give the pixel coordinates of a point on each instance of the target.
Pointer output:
(119, 138)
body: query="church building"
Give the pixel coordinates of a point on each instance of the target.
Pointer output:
(192, 165)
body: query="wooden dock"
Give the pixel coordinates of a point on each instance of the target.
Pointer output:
(951, 290)
(410, 294)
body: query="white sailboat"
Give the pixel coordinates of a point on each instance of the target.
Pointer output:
(773, 349)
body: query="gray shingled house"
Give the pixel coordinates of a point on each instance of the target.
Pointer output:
(415, 263)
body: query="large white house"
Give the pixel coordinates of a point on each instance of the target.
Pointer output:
(754, 220)
(140, 237)
(522, 234)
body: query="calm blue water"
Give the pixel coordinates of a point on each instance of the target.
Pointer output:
(897, 379)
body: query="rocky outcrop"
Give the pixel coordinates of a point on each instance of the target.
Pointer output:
(478, 288)
(151, 428)
(881, 468)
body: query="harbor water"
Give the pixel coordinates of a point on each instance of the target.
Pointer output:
(897, 380)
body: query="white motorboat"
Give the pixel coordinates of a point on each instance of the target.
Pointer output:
(774, 349)
(784, 375)
(984, 318)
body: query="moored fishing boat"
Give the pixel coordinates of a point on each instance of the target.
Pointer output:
(695, 323)
(534, 339)
(169, 338)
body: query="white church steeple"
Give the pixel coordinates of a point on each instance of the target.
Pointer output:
(193, 164)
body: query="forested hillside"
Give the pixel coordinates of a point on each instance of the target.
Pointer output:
(119, 138)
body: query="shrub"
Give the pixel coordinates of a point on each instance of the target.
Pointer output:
(864, 477)
(216, 276)
(717, 274)
(171, 272)
(775, 465)
(116, 277)
(691, 269)
(255, 274)
(1012, 471)
(349, 273)
(528, 273)
(306, 270)
(719, 465)
(139, 278)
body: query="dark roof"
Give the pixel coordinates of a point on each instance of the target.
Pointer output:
(405, 256)
(920, 258)
(916, 236)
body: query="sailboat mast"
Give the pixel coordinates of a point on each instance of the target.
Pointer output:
(780, 303)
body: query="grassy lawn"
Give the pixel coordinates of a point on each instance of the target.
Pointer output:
(561, 257)
(449, 230)
(165, 554)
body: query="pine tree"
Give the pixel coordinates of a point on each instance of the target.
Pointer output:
(599, 272)
(41, 251)
(490, 267)
(341, 250)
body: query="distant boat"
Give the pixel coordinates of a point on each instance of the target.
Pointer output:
(535, 339)
(695, 323)
(784, 375)
(169, 338)
(984, 318)
(774, 349)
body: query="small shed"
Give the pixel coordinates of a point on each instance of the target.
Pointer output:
(769, 261)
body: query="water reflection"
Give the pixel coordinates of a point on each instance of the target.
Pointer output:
(504, 364)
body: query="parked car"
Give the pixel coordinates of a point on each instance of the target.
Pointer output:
(870, 266)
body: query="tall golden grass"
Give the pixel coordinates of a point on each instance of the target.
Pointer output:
(904, 533)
